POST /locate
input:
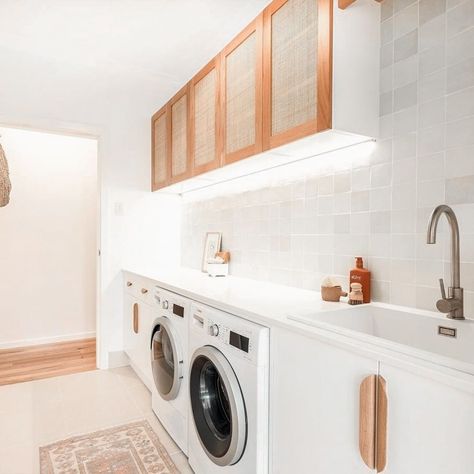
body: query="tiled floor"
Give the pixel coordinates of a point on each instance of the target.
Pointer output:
(36, 413)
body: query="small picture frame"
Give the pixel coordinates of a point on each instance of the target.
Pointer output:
(212, 245)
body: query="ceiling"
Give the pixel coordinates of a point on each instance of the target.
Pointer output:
(139, 43)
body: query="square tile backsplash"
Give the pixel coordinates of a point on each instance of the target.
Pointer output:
(297, 232)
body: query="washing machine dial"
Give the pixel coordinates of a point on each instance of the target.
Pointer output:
(165, 304)
(214, 330)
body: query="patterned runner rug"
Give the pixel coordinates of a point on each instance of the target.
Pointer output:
(128, 449)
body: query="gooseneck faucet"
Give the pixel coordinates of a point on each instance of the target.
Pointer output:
(453, 303)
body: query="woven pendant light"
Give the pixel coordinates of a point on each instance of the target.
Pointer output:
(5, 184)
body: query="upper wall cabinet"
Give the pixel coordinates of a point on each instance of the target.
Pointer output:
(179, 150)
(205, 119)
(159, 150)
(297, 70)
(241, 92)
(301, 80)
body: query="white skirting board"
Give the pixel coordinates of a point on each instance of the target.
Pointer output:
(47, 340)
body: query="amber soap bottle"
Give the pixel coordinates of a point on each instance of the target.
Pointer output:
(361, 275)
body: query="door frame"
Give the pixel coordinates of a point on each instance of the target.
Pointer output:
(97, 134)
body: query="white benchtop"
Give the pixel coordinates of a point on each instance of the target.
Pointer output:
(261, 302)
(271, 305)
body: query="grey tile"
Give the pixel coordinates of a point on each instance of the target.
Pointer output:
(431, 140)
(381, 154)
(459, 162)
(430, 193)
(460, 104)
(430, 9)
(404, 146)
(432, 86)
(342, 223)
(430, 167)
(406, 46)
(460, 47)
(405, 96)
(405, 21)
(342, 182)
(386, 127)
(433, 33)
(460, 133)
(401, 4)
(460, 76)
(386, 103)
(386, 55)
(432, 59)
(405, 121)
(404, 171)
(460, 190)
(381, 175)
(453, 3)
(380, 222)
(387, 9)
(460, 18)
(386, 80)
(432, 112)
(380, 199)
(360, 201)
(386, 31)
(405, 71)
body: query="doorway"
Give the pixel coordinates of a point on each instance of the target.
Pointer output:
(48, 255)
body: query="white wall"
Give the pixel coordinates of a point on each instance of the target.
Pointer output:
(48, 236)
(373, 204)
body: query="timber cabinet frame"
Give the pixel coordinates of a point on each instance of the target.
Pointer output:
(159, 147)
(255, 28)
(322, 76)
(183, 94)
(215, 162)
(326, 102)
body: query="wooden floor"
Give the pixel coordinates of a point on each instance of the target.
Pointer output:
(23, 364)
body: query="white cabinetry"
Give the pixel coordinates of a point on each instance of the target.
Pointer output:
(314, 424)
(137, 324)
(430, 424)
(314, 406)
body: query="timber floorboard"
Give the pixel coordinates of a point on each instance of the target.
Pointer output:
(23, 364)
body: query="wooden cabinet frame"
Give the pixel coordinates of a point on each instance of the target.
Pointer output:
(187, 174)
(255, 27)
(155, 185)
(323, 118)
(216, 162)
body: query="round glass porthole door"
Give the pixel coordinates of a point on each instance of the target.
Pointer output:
(218, 406)
(166, 359)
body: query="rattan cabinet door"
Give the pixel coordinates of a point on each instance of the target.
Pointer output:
(205, 119)
(179, 150)
(297, 69)
(241, 94)
(159, 150)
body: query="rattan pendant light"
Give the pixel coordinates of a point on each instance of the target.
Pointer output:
(5, 184)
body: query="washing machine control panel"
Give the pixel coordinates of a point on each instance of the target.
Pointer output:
(171, 304)
(239, 339)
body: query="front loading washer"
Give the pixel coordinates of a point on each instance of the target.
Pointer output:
(169, 364)
(228, 388)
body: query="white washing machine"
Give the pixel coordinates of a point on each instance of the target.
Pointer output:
(169, 364)
(228, 388)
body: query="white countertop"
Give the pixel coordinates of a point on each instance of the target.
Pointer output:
(261, 302)
(271, 305)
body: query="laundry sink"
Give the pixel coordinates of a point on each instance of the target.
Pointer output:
(417, 333)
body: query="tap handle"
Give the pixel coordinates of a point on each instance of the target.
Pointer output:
(443, 291)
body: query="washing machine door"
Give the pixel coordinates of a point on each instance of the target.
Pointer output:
(166, 359)
(218, 406)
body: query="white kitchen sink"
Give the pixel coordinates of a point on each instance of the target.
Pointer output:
(417, 333)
